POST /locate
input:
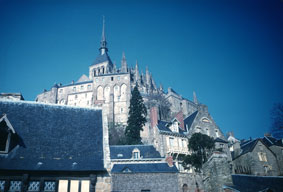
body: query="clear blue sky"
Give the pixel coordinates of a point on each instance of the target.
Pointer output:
(229, 52)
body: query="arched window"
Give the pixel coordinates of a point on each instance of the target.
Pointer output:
(99, 93)
(123, 92)
(136, 153)
(185, 188)
(107, 94)
(116, 92)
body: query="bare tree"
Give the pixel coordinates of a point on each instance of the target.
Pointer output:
(159, 100)
(277, 120)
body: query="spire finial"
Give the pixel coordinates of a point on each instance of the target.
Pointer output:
(195, 98)
(103, 42)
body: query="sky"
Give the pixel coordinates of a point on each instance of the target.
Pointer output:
(229, 52)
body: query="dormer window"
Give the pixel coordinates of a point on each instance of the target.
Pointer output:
(7, 133)
(205, 120)
(136, 154)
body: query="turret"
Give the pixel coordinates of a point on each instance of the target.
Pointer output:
(124, 66)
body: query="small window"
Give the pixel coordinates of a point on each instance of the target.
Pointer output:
(82, 87)
(216, 133)
(111, 78)
(76, 96)
(136, 153)
(205, 120)
(87, 102)
(96, 79)
(33, 186)
(2, 185)
(49, 186)
(221, 145)
(74, 89)
(86, 95)
(171, 141)
(15, 186)
(60, 90)
(121, 110)
(88, 87)
(118, 78)
(126, 170)
(119, 97)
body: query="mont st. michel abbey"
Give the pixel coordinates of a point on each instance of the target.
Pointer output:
(60, 142)
(109, 86)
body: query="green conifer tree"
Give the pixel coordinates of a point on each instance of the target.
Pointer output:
(136, 118)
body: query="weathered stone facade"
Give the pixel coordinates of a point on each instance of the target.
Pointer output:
(217, 172)
(256, 159)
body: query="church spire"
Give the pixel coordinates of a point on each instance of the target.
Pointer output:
(103, 49)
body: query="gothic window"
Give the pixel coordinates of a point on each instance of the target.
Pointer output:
(123, 92)
(107, 94)
(99, 93)
(116, 92)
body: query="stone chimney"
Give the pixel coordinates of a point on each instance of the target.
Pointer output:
(154, 116)
(180, 118)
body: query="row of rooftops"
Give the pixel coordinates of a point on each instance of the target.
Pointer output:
(248, 145)
(48, 137)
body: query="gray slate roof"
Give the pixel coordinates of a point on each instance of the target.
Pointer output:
(102, 58)
(162, 126)
(190, 119)
(144, 168)
(146, 151)
(54, 138)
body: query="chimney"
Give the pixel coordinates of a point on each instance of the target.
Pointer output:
(154, 116)
(180, 118)
(169, 161)
(267, 134)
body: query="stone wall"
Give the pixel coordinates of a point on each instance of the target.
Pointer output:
(155, 182)
(217, 172)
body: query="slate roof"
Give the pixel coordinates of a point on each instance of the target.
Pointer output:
(54, 137)
(219, 140)
(248, 183)
(248, 146)
(102, 58)
(144, 168)
(163, 128)
(146, 151)
(269, 141)
(190, 119)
